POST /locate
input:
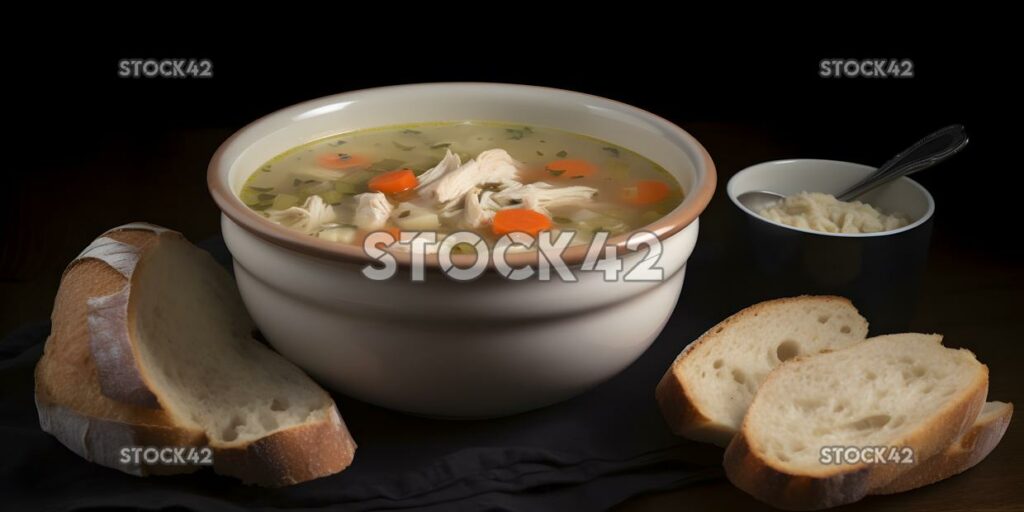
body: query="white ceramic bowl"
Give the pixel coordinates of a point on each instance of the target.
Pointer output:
(482, 348)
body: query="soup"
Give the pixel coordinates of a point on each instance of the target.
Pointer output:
(488, 178)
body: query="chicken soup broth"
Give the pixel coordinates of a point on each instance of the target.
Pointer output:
(488, 178)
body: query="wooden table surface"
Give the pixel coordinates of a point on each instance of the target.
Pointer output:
(972, 294)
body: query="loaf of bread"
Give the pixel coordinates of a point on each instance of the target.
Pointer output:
(152, 347)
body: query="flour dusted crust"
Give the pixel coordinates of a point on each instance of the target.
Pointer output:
(93, 394)
(120, 375)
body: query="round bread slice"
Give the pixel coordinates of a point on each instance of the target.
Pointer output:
(963, 454)
(905, 393)
(151, 346)
(707, 390)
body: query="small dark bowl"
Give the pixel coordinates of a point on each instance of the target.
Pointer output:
(880, 272)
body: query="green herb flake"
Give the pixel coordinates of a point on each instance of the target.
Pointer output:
(614, 151)
(404, 214)
(441, 145)
(540, 153)
(411, 132)
(401, 146)
(517, 133)
(556, 172)
(562, 154)
(561, 220)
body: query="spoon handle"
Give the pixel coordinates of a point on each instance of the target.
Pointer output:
(925, 153)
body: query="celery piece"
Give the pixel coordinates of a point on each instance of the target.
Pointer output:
(463, 248)
(284, 201)
(315, 187)
(249, 196)
(356, 177)
(343, 187)
(332, 196)
(387, 164)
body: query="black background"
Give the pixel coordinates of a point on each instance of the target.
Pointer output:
(76, 96)
(91, 149)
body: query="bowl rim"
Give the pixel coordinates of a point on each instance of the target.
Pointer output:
(930, 201)
(693, 204)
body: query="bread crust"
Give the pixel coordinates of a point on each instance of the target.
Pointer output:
(683, 415)
(93, 395)
(108, 318)
(966, 452)
(290, 456)
(748, 469)
(101, 440)
(680, 406)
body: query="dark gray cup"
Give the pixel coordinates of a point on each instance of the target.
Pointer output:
(880, 272)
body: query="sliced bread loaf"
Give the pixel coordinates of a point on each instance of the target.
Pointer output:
(966, 452)
(904, 393)
(707, 390)
(151, 346)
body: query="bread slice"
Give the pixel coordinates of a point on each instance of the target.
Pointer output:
(902, 392)
(151, 346)
(707, 390)
(963, 454)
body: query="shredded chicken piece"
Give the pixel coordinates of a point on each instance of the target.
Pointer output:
(474, 213)
(450, 162)
(372, 210)
(491, 166)
(540, 196)
(308, 218)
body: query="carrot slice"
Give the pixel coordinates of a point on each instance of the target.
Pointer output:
(569, 169)
(395, 232)
(341, 161)
(645, 192)
(519, 220)
(393, 182)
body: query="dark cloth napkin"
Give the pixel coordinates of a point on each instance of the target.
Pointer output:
(588, 453)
